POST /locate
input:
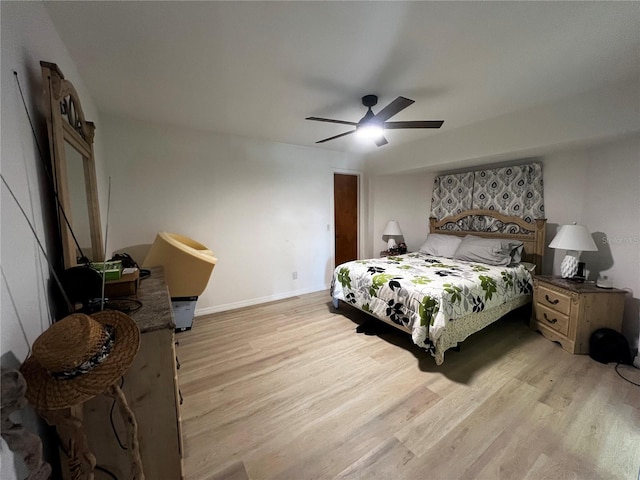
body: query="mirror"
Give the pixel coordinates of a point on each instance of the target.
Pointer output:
(71, 148)
(79, 213)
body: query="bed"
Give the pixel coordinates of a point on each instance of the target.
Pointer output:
(459, 282)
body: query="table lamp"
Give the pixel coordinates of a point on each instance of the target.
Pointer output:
(391, 231)
(574, 239)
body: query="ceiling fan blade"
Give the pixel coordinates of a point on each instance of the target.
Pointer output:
(336, 136)
(380, 141)
(415, 124)
(318, 119)
(394, 107)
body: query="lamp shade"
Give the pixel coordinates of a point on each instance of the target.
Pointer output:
(574, 237)
(392, 229)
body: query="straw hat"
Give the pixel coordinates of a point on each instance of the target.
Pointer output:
(79, 357)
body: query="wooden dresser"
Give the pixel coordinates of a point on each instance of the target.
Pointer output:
(151, 388)
(569, 312)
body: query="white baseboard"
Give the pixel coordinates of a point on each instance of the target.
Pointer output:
(257, 301)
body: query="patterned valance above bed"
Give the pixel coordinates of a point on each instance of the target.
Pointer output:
(516, 190)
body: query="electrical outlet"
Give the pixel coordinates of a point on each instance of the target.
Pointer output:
(294, 275)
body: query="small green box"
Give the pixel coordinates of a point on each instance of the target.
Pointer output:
(112, 270)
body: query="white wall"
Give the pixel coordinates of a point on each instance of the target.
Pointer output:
(27, 37)
(586, 118)
(598, 186)
(405, 198)
(264, 209)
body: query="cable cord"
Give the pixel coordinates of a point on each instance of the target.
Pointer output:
(108, 472)
(33, 230)
(626, 379)
(106, 235)
(33, 130)
(113, 427)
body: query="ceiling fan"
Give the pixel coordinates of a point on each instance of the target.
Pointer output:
(374, 124)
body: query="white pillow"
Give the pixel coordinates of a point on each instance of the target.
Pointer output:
(440, 245)
(488, 250)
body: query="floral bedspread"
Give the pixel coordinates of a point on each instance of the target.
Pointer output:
(425, 293)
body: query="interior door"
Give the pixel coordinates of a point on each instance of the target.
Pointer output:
(345, 211)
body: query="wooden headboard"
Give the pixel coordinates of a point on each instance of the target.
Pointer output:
(531, 234)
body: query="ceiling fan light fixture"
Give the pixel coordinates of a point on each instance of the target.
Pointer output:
(372, 125)
(370, 131)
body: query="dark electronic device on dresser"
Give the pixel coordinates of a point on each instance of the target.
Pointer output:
(399, 249)
(580, 275)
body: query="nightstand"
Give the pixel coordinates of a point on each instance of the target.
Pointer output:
(569, 312)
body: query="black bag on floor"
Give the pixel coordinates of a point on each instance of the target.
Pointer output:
(607, 345)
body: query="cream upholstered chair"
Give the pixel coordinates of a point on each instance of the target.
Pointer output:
(187, 263)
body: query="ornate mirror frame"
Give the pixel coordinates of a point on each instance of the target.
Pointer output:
(67, 126)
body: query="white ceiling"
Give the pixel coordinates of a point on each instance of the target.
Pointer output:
(257, 69)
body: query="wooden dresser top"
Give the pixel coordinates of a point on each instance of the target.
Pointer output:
(156, 312)
(576, 287)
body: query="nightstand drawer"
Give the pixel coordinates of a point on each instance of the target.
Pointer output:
(554, 300)
(552, 319)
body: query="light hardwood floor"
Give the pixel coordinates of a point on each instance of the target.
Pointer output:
(289, 390)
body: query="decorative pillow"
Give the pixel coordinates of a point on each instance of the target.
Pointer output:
(516, 253)
(490, 251)
(441, 245)
(531, 267)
